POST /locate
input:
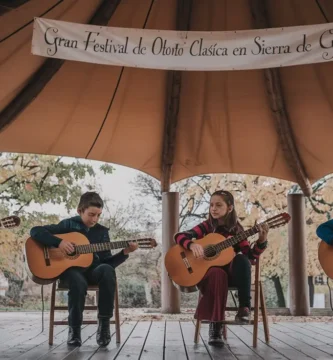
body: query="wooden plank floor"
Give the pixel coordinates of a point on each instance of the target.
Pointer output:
(21, 338)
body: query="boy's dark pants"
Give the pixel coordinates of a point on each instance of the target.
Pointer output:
(77, 280)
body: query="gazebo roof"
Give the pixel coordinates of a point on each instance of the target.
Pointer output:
(171, 125)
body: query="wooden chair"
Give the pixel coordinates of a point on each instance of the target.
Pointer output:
(258, 293)
(58, 286)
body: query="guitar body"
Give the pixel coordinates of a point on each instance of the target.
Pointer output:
(186, 270)
(45, 272)
(325, 257)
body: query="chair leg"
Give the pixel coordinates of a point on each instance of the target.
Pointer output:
(264, 312)
(197, 331)
(97, 300)
(256, 305)
(224, 331)
(117, 317)
(233, 298)
(51, 326)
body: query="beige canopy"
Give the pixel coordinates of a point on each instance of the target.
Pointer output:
(275, 122)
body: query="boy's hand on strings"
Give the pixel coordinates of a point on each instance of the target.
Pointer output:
(197, 250)
(132, 246)
(66, 247)
(263, 231)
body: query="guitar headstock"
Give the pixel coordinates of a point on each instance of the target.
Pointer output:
(147, 243)
(10, 222)
(278, 220)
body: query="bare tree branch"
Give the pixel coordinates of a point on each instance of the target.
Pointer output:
(8, 179)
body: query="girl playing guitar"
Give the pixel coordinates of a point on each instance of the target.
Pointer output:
(214, 286)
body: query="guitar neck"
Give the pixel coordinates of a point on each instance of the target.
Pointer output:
(237, 238)
(92, 248)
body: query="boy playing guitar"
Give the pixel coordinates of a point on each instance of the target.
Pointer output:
(101, 271)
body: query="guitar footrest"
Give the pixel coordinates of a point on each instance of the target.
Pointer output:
(86, 307)
(230, 322)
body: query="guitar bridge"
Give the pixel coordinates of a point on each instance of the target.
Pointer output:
(186, 262)
(47, 256)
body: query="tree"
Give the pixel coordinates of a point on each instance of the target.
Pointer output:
(12, 261)
(139, 277)
(42, 179)
(192, 206)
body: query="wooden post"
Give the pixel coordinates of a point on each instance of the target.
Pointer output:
(51, 326)
(298, 281)
(170, 295)
(170, 200)
(256, 304)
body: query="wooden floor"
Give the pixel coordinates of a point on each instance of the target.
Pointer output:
(21, 338)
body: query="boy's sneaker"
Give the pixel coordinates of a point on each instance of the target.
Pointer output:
(243, 315)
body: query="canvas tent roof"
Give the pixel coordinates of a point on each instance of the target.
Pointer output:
(226, 123)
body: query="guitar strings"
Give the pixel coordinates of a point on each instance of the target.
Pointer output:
(86, 248)
(212, 250)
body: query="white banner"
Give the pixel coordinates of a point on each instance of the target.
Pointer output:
(183, 50)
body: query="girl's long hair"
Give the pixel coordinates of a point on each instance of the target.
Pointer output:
(230, 219)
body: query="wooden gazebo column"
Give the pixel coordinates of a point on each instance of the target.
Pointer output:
(299, 302)
(170, 295)
(299, 294)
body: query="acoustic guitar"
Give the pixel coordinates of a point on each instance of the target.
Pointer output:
(9, 222)
(325, 257)
(186, 271)
(46, 264)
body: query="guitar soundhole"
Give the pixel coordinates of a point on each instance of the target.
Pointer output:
(210, 252)
(73, 255)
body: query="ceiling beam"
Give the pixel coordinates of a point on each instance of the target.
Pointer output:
(49, 68)
(174, 83)
(326, 8)
(277, 104)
